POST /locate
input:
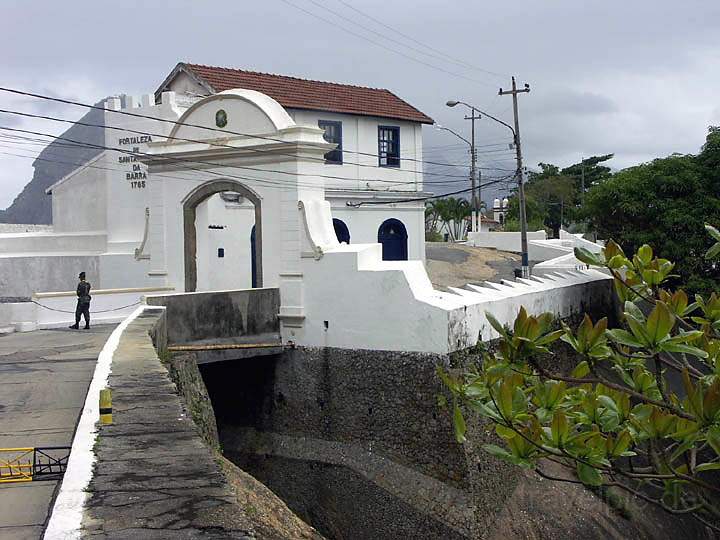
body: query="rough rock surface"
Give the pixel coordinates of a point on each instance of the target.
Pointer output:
(542, 510)
(56, 160)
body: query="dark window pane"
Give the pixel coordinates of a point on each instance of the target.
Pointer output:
(389, 146)
(333, 134)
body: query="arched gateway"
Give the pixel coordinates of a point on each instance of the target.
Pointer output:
(216, 139)
(200, 194)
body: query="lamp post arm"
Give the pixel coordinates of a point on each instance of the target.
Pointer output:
(492, 118)
(454, 133)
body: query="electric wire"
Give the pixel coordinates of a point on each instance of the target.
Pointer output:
(382, 45)
(393, 40)
(176, 160)
(220, 130)
(351, 204)
(406, 36)
(79, 144)
(147, 133)
(85, 164)
(415, 199)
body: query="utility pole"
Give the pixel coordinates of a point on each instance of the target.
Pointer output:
(474, 218)
(521, 188)
(582, 180)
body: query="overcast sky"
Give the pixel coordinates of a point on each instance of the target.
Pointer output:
(638, 78)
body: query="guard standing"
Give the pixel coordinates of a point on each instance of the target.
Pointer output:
(83, 303)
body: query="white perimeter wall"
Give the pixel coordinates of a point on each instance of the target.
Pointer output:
(23, 276)
(57, 309)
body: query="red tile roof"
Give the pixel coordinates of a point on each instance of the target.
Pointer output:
(295, 93)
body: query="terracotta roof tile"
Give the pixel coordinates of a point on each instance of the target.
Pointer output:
(295, 93)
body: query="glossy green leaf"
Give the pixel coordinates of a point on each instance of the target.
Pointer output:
(708, 467)
(645, 254)
(624, 337)
(559, 428)
(499, 328)
(682, 348)
(588, 257)
(588, 475)
(459, 424)
(713, 231)
(659, 322)
(581, 370)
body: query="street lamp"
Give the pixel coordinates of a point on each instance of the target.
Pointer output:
(472, 170)
(518, 173)
(476, 218)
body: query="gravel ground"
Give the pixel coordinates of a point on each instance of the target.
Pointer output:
(454, 265)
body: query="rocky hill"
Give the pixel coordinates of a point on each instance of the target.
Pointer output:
(56, 160)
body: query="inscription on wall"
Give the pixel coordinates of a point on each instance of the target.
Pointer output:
(136, 174)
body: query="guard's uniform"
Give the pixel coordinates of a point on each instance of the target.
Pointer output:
(83, 303)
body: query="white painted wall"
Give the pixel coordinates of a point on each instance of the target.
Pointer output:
(52, 243)
(24, 275)
(79, 201)
(128, 198)
(234, 270)
(57, 310)
(349, 282)
(360, 138)
(543, 250)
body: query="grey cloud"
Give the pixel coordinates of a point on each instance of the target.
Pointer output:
(635, 78)
(570, 102)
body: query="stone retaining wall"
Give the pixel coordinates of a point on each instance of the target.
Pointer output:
(220, 314)
(355, 441)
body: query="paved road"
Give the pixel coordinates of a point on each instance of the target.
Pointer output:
(44, 377)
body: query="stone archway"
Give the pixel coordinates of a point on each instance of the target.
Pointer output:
(190, 204)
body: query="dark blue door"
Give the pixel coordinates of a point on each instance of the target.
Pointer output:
(341, 231)
(253, 258)
(393, 237)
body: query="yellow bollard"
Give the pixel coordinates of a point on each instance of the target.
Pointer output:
(105, 406)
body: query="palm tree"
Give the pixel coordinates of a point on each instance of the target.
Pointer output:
(453, 212)
(431, 215)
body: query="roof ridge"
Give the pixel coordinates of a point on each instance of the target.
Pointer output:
(191, 65)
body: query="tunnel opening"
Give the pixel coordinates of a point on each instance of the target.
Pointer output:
(304, 422)
(239, 391)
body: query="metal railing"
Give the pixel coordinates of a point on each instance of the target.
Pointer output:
(33, 463)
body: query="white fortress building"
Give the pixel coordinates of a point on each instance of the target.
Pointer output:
(253, 142)
(229, 179)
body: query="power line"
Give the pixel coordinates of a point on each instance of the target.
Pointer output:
(396, 31)
(224, 131)
(166, 158)
(175, 160)
(465, 190)
(395, 201)
(443, 58)
(392, 183)
(382, 45)
(85, 164)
